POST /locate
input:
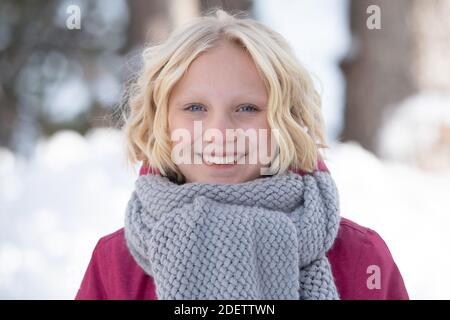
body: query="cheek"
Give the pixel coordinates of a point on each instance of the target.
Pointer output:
(262, 128)
(178, 123)
(182, 141)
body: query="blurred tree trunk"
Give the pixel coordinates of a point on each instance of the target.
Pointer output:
(229, 5)
(407, 55)
(153, 20)
(148, 21)
(8, 116)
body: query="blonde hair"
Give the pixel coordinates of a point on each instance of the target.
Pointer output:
(293, 103)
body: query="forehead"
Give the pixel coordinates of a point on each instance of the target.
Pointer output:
(223, 70)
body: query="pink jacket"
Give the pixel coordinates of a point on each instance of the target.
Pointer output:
(361, 263)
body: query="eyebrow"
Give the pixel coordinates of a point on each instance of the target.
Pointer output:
(193, 96)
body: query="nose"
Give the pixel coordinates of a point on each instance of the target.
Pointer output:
(219, 129)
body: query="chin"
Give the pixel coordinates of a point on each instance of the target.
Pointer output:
(221, 178)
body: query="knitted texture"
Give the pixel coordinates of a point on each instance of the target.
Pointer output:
(261, 239)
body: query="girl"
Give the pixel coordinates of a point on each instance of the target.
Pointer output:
(210, 217)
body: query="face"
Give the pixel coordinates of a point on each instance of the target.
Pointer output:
(220, 93)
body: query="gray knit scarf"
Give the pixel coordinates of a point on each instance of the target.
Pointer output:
(262, 239)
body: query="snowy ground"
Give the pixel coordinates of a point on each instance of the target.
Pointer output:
(54, 208)
(408, 207)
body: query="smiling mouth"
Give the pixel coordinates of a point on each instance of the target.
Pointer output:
(221, 160)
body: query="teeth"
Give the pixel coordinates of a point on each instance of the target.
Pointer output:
(222, 160)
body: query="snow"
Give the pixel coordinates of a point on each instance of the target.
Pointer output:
(408, 207)
(413, 131)
(55, 207)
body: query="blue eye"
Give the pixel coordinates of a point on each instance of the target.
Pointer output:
(248, 108)
(194, 108)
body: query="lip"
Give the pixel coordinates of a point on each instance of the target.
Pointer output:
(221, 166)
